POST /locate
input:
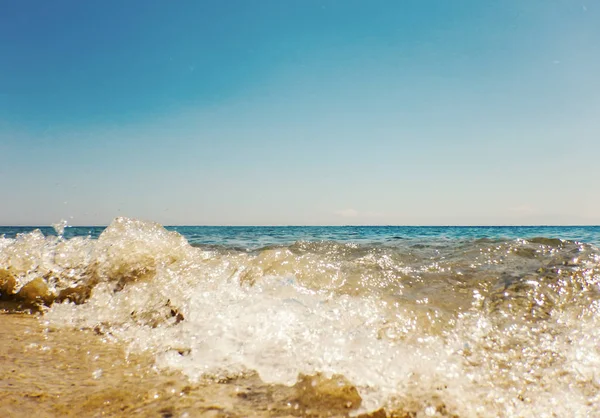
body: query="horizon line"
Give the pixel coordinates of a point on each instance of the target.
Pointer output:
(326, 225)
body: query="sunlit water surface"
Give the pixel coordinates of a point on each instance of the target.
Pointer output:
(470, 321)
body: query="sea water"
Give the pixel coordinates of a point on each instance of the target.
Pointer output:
(438, 321)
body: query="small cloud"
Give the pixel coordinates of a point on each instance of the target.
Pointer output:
(556, 62)
(584, 8)
(346, 213)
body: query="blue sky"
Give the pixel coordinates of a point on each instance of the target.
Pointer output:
(300, 112)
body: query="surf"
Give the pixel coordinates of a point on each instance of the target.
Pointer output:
(430, 326)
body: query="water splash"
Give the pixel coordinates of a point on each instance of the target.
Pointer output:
(59, 227)
(471, 328)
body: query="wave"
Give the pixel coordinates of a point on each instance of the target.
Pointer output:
(456, 327)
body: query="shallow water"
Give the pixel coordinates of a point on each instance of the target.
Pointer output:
(50, 372)
(445, 321)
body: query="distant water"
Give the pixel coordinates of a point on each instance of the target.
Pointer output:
(431, 321)
(252, 237)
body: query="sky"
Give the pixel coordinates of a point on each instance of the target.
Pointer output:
(282, 112)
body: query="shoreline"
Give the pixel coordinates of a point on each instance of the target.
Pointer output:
(59, 372)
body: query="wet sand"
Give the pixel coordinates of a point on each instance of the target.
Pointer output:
(75, 373)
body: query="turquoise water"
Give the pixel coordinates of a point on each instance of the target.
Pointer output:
(252, 237)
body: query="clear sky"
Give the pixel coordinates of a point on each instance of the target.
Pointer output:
(300, 112)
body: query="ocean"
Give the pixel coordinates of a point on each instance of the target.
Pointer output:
(418, 321)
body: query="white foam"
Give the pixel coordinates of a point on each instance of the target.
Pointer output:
(484, 363)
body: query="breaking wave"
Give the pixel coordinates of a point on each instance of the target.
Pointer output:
(488, 327)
